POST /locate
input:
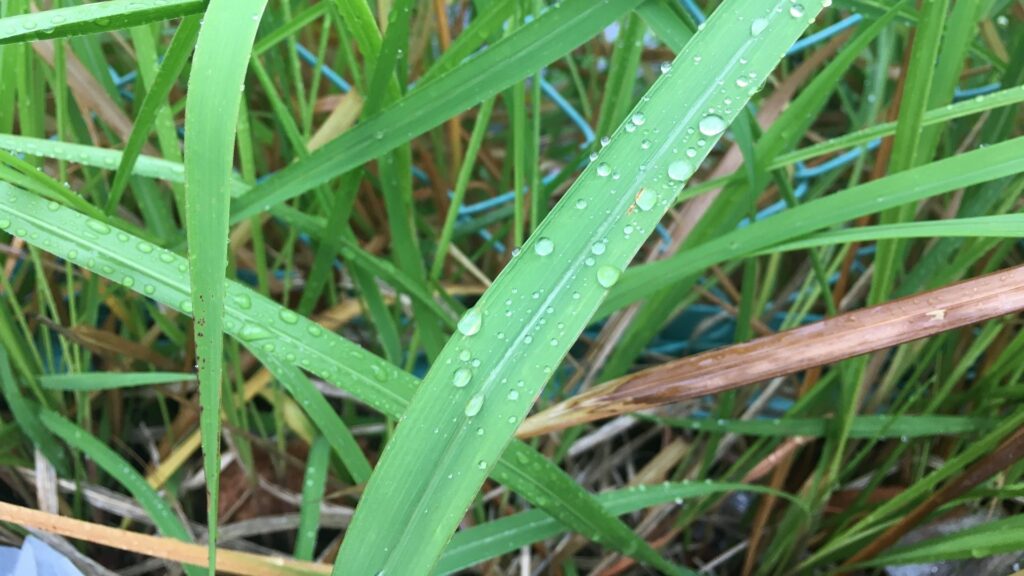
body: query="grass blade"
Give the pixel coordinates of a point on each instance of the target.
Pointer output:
(92, 381)
(92, 18)
(214, 97)
(489, 373)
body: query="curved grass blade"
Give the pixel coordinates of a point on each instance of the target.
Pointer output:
(262, 324)
(156, 97)
(486, 541)
(91, 381)
(92, 18)
(211, 115)
(118, 468)
(507, 347)
(982, 165)
(504, 63)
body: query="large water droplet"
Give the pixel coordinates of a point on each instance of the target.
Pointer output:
(544, 246)
(252, 332)
(607, 276)
(470, 322)
(289, 317)
(680, 170)
(461, 377)
(474, 405)
(711, 125)
(646, 199)
(758, 26)
(604, 170)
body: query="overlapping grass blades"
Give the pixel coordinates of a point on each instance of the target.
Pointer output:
(270, 329)
(507, 347)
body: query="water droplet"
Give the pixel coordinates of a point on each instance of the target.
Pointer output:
(186, 306)
(145, 247)
(758, 26)
(680, 170)
(474, 405)
(72, 254)
(5, 223)
(666, 67)
(314, 330)
(128, 281)
(605, 141)
(98, 227)
(796, 10)
(289, 317)
(52, 206)
(462, 377)
(149, 289)
(544, 246)
(482, 465)
(470, 322)
(646, 199)
(607, 276)
(711, 125)
(581, 204)
(243, 301)
(638, 119)
(645, 144)
(252, 332)
(513, 395)
(598, 248)
(604, 170)
(166, 257)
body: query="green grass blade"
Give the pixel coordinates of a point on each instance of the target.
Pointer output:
(486, 541)
(878, 426)
(507, 61)
(1003, 536)
(156, 97)
(322, 414)
(508, 346)
(312, 495)
(211, 114)
(261, 323)
(26, 416)
(92, 18)
(119, 469)
(1002, 226)
(91, 381)
(968, 169)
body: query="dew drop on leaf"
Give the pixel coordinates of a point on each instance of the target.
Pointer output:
(711, 125)
(680, 170)
(470, 322)
(462, 377)
(607, 276)
(544, 246)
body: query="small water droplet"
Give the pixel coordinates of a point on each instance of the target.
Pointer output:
(646, 199)
(796, 10)
(474, 405)
(98, 227)
(598, 248)
(711, 125)
(544, 246)
(461, 377)
(604, 170)
(470, 322)
(482, 465)
(607, 276)
(758, 26)
(638, 119)
(581, 204)
(680, 170)
(666, 67)
(52, 206)
(605, 140)
(145, 247)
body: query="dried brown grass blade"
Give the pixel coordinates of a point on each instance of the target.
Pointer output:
(831, 340)
(228, 561)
